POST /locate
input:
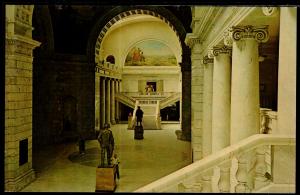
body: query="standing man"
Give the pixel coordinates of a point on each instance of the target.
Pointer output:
(139, 116)
(106, 141)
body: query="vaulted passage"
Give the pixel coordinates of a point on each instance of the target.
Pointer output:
(207, 78)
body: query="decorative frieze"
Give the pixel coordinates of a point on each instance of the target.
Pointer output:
(216, 50)
(236, 33)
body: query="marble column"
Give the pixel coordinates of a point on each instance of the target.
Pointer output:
(117, 102)
(245, 107)
(245, 119)
(120, 86)
(221, 97)
(97, 102)
(287, 69)
(207, 105)
(283, 171)
(107, 101)
(112, 102)
(102, 103)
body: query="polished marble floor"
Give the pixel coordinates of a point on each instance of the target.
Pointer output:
(61, 169)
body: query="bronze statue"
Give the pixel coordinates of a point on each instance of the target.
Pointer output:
(139, 116)
(106, 141)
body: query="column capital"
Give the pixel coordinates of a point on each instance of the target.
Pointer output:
(219, 49)
(236, 33)
(268, 11)
(207, 60)
(192, 40)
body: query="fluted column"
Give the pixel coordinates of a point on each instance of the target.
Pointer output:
(207, 106)
(102, 103)
(107, 101)
(112, 102)
(221, 97)
(245, 119)
(116, 102)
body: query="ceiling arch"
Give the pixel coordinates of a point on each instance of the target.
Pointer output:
(126, 17)
(173, 14)
(121, 37)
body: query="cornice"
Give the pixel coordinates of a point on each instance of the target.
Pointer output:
(215, 34)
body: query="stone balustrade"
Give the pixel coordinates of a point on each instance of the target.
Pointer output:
(197, 177)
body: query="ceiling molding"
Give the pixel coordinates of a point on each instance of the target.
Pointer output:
(216, 34)
(210, 23)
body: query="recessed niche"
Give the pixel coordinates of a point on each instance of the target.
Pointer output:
(23, 151)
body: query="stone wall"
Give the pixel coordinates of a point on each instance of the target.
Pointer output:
(63, 99)
(18, 97)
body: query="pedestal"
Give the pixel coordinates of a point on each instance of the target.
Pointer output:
(138, 132)
(105, 180)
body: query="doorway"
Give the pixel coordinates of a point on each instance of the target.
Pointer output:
(153, 83)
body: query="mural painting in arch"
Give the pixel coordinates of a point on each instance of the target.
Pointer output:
(150, 53)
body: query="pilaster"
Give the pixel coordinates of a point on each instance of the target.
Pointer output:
(207, 106)
(18, 97)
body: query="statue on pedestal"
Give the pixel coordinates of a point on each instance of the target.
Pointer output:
(106, 141)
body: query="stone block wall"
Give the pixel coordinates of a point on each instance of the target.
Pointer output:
(64, 89)
(18, 112)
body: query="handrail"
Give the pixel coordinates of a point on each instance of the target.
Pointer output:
(125, 99)
(163, 103)
(125, 96)
(215, 159)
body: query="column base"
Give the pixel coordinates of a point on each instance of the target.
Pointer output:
(181, 135)
(113, 122)
(18, 183)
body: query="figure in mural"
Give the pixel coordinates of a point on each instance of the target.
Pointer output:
(142, 57)
(150, 53)
(106, 141)
(136, 56)
(139, 116)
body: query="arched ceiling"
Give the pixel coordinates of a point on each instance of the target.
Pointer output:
(73, 25)
(131, 27)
